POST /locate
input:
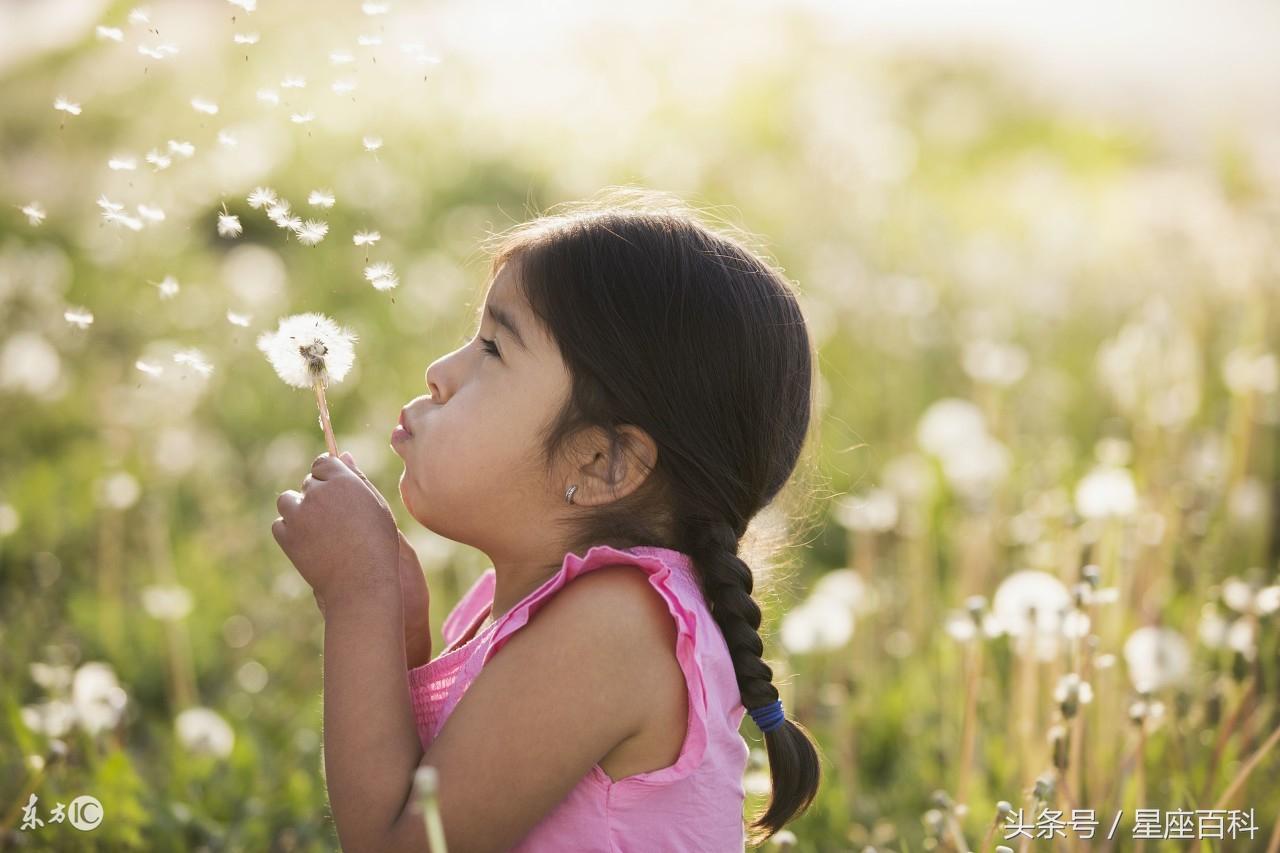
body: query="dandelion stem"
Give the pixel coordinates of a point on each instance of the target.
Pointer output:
(1257, 756)
(324, 417)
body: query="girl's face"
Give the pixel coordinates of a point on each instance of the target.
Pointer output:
(474, 456)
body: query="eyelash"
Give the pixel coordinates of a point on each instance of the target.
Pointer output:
(488, 348)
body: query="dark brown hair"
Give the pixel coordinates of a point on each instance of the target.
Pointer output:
(675, 326)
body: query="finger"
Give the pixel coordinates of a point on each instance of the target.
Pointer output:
(277, 530)
(352, 465)
(287, 502)
(310, 479)
(324, 466)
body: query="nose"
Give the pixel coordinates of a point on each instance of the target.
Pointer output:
(433, 374)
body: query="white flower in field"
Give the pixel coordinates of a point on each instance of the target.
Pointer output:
(1105, 491)
(341, 57)
(372, 143)
(238, 319)
(294, 81)
(227, 138)
(994, 362)
(97, 696)
(66, 106)
(52, 677)
(247, 5)
(311, 232)
(845, 586)
(109, 33)
(181, 148)
(1032, 605)
(168, 287)
(302, 118)
(875, 511)
(262, 196)
(269, 96)
(381, 275)
(34, 212)
(309, 346)
(122, 164)
(200, 105)
(950, 426)
(321, 198)
(1157, 657)
(81, 317)
(204, 732)
(158, 159)
(1245, 597)
(119, 490)
(365, 238)
(1071, 688)
(166, 602)
(148, 368)
(229, 225)
(150, 214)
(375, 8)
(369, 40)
(246, 38)
(817, 624)
(52, 719)
(194, 359)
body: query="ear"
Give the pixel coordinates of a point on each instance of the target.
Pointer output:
(613, 469)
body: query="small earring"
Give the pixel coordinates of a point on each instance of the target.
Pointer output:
(568, 495)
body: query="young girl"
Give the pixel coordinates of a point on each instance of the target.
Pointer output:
(638, 389)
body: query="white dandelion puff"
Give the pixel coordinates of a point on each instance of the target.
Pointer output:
(365, 238)
(246, 38)
(168, 287)
(341, 57)
(150, 214)
(66, 106)
(201, 730)
(158, 159)
(34, 212)
(372, 143)
(311, 350)
(269, 96)
(262, 196)
(381, 275)
(369, 40)
(200, 105)
(194, 359)
(311, 232)
(278, 209)
(80, 317)
(302, 118)
(343, 86)
(110, 33)
(167, 602)
(229, 225)
(227, 138)
(149, 368)
(321, 198)
(239, 319)
(122, 164)
(294, 81)
(1157, 657)
(181, 147)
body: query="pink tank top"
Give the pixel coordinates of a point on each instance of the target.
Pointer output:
(694, 804)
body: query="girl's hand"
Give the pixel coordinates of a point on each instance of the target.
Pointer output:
(413, 589)
(338, 532)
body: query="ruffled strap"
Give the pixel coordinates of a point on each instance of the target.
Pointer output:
(670, 573)
(474, 600)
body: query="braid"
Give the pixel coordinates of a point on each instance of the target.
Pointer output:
(727, 583)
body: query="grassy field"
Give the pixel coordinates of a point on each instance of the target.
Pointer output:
(1039, 566)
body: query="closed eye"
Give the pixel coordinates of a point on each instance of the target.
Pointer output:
(489, 347)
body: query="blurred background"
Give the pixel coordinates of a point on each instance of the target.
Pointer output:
(1037, 248)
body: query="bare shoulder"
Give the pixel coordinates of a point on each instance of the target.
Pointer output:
(618, 601)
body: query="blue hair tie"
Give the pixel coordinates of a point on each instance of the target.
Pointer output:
(768, 717)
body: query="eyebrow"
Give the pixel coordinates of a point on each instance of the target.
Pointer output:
(503, 319)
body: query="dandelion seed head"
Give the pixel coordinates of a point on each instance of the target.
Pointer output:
(365, 238)
(1157, 657)
(311, 232)
(262, 196)
(229, 225)
(278, 210)
(321, 198)
(80, 317)
(203, 731)
(381, 275)
(200, 105)
(66, 106)
(110, 33)
(34, 212)
(306, 347)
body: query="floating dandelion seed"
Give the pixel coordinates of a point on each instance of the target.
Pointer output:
(34, 212)
(148, 368)
(112, 33)
(365, 238)
(294, 81)
(109, 206)
(202, 106)
(311, 232)
(139, 16)
(228, 225)
(269, 96)
(369, 40)
(342, 87)
(115, 217)
(321, 198)
(159, 51)
(122, 164)
(150, 214)
(310, 350)
(159, 159)
(262, 196)
(168, 287)
(381, 275)
(247, 5)
(372, 143)
(181, 148)
(194, 359)
(341, 57)
(81, 317)
(302, 118)
(278, 209)
(238, 319)
(228, 139)
(246, 38)
(62, 104)
(372, 9)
